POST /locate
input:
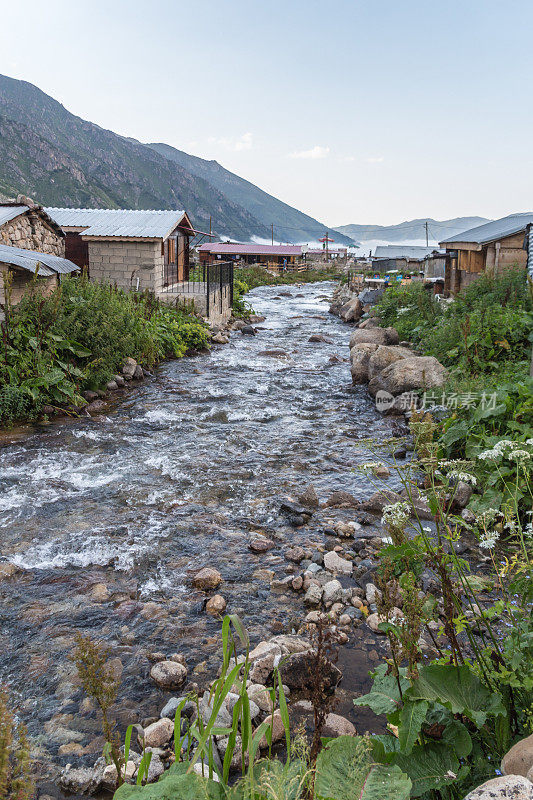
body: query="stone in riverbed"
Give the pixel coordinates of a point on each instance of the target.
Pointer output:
(159, 733)
(81, 780)
(338, 499)
(111, 386)
(506, 787)
(128, 370)
(110, 776)
(260, 696)
(309, 497)
(332, 592)
(260, 544)
(313, 596)
(168, 674)
(335, 725)
(295, 554)
(278, 730)
(99, 593)
(377, 336)
(407, 374)
(215, 605)
(248, 330)
(207, 578)
(334, 563)
(7, 570)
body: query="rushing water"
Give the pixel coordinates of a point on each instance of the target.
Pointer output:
(173, 479)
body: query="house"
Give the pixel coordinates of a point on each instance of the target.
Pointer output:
(132, 249)
(32, 249)
(492, 247)
(401, 257)
(321, 254)
(265, 254)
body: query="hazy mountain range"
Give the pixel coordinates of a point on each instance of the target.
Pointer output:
(412, 229)
(59, 159)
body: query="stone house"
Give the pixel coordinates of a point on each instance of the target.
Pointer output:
(32, 249)
(492, 247)
(135, 250)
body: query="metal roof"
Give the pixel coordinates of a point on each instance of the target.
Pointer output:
(235, 248)
(30, 259)
(492, 231)
(127, 223)
(10, 212)
(402, 251)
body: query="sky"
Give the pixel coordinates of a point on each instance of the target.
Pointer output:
(361, 111)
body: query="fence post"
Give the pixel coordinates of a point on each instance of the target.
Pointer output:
(231, 276)
(207, 271)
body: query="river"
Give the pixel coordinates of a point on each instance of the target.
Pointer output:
(173, 478)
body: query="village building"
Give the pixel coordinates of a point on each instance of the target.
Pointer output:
(404, 258)
(129, 248)
(32, 250)
(492, 247)
(267, 255)
(320, 254)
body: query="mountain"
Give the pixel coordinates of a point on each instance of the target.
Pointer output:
(289, 223)
(60, 159)
(413, 229)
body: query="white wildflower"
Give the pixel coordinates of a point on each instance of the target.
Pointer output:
(489, 516)
(503, 444)
(489, 455)
(489, 540)
(521, 456)
(528, 530)
(396, 515)
(465, 477)
(529, 442)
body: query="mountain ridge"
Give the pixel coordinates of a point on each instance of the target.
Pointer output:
(411, 229)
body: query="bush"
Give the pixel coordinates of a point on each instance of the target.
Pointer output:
(78, 339)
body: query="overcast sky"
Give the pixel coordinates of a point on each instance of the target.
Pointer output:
(369, 111)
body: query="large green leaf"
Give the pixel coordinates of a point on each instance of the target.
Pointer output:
(384, 697)
(429, 766)
(411, 718)
(441, 724)
(458, 689)
(344, 771)
(173, 785)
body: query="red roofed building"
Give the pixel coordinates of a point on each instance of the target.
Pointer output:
(266, 254)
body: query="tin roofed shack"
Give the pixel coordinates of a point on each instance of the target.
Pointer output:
(492, 247)
(406, 258)
(133, 249)
(289, 255)
(32, 249)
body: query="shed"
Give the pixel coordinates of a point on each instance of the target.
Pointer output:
(27, 268)
(251, 253)
(399, 256)
(492, 247)
(133, 249)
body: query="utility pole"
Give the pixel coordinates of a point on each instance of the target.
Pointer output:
(209, 226)
(272, 229)
(427, 235)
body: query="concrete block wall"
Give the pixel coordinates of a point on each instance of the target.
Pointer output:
(22, 281)
(122, 262)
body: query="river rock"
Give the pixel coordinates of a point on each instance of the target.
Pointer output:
(236, 759)
(372, 593)
(155, 769)
(215, 605)
(207, 578)
(278, 730)
(506, 787)
(407, 374)
(335, 725)
(159, 733)
(110, 775)
(334, 563)
(360, 356)
(138, 373)
(340, 498)
(461, 494)
(81, 780)
(223, 718)
(219, 338)
(7, 570)
(168, 674)
(309, 497)
(332, 592)
(260, 696)
(111, 386)
(374, 620)
(128, 370)
(374, 336)
(313, 595)
(248, 330)
(260, 544)
(99, 593)
(119, 380)
(383, 356)
(263, 666)
(519, 759)
(351, 311)
(295, 554)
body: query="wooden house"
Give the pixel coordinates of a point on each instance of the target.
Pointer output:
(289, 255)
(492, 247)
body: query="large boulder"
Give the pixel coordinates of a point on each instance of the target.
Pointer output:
(351, 311)
(506, 787)
(374, 336)
(407, 374)
(360, 355)
(384, 356)
(519, 759)
(168, 674)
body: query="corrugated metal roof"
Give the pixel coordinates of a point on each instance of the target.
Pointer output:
(127, 223)
(402, 251)
(29, 259)
(10, 212)
(233, 248)
(491, 231)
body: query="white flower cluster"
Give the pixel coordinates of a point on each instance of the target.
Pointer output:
(396, 515)
(465, 477)
(489, 540)
(506, 448)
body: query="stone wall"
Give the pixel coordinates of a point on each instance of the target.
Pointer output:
(121, 262)
(30, 232)
(21, 281)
